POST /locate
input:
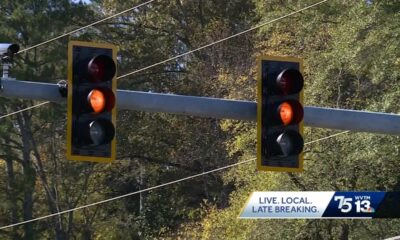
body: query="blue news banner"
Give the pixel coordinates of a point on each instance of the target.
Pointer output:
(322, 205)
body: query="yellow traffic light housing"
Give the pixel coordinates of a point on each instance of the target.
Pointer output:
(280, 114)
(91, 113)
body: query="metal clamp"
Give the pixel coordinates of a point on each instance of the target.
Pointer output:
(63, 88)
(6, 67)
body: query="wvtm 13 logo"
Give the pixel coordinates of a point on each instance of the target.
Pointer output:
(362, 204)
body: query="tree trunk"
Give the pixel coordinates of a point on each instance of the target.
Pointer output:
(345, 232)
(29, 179)
(11, 191)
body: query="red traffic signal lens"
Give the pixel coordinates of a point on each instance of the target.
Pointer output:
(290, 81)
(101, 99)
(290, 143)
(290, 112)
(101, 68)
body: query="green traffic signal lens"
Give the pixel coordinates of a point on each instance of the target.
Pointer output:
(97, 133)
(290, 143)
(93, 133)
(101, 132)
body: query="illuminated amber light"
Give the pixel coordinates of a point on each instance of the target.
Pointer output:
(97, 100)
(286, 113)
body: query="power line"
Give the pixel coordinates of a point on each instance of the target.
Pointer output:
(25, 109)
(145, 190)
(330, 136)
(87, 26)
(126, 195)
(69, 33)
(172, 58)
(221, 40)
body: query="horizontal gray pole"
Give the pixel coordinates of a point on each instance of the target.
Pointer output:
(360, 121)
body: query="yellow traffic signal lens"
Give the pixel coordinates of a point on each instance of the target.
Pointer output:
(286, 113)
(289, 112)
(97, 100)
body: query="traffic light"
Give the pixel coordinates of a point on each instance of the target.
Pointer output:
(280, 114)
(91, 101)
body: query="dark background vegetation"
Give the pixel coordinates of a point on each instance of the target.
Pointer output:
(352, 59)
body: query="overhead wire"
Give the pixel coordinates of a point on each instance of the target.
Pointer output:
(139, 70)
(136, 71)
(125, 195)
(172, 58)
(330, 136)
(221, 40)
(87, 26)
(183, 54)
(24, 109)
(147, 189)
(67, 34)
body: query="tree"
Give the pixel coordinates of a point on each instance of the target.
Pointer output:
(336, 42)
(30, 162)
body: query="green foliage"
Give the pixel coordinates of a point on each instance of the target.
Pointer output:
(351, 57)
